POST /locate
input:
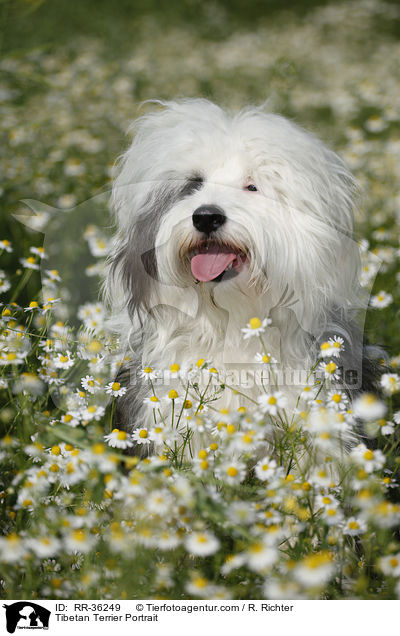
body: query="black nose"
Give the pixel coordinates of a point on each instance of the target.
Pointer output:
(208, 218)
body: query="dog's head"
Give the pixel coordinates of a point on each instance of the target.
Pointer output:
(248, 202)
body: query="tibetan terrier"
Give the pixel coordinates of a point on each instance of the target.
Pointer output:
(222, 218)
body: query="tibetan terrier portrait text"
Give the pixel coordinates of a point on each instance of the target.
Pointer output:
(226, 220)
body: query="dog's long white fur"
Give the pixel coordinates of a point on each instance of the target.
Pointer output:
(296, 229)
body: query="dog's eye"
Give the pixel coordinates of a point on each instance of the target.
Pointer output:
(192, 185)
(251, 187)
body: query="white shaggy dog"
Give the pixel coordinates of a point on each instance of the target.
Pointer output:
(222, 218)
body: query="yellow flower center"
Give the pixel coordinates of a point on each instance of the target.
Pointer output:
(79, 535)
(232, 471)
(315, 561)
(143, 433)
(330, 367)
(255, 323)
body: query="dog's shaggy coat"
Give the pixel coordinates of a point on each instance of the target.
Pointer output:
(224, 217)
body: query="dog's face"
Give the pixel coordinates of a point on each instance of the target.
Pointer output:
(248, 203)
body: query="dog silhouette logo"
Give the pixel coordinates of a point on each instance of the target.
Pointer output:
(26, 615)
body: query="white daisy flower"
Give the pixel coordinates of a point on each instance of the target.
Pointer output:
(66, 201)
(308, 393)
(38, 251)
(141, 436)
(6, 245)
(12, 548)
(338, 400)
(354, 526)
(261, 556)
(92, 412)
(73, 167)
(370, 460)
(44, 547)
(326, 501)
(99, 246)
(390, 564)
(315, 569)
(168, 540)
(32, 306)
(271, 402)
(332, 516)
(390, 382)
(153, 402)
(265, 358)
(53, 275)
(241, 512)
(265, 468)
(70, 419)
(386, 428)
(231, 472)
(368, 407)
(332, 347)
(90, 384)
(329, 370)
(396, 417)
(255, 327)
(63, 360)
(115, 389)
(200, 587)
(4, 283)
(160, 502)
(29, 263)
(79, 540)
(148, 372)
(202, 543)
(381, 300)
(118, 439)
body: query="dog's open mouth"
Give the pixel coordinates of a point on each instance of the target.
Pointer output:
(211, 261)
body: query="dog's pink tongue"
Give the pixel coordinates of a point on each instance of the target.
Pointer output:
(207, 266)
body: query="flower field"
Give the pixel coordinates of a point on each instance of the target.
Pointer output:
(274, 505)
